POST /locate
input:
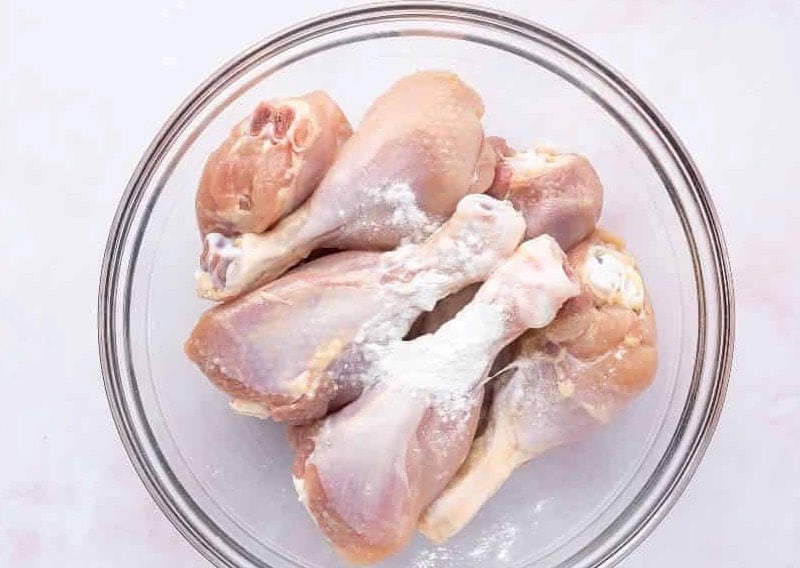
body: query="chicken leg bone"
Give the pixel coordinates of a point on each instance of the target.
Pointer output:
(569, 378)
(280, 350)
(367, 472)
(418, 151)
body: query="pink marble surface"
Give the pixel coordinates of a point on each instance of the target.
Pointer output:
(84, 86)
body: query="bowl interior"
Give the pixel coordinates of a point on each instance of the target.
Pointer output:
(235, 471)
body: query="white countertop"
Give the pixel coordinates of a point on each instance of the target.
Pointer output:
(85, 85)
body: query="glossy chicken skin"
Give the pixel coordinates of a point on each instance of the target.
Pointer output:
(270, 163)
(283, 350)
(559, 194)
(571, 377)
(367, 472)
(419, 149)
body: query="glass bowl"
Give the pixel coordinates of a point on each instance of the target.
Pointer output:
(224, 480)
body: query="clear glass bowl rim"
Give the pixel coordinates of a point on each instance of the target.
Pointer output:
(639, 518)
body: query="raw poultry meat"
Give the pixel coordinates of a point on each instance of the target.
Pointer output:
(418, 150)
(366, 472)
(383, 416)
(559, 194)
(282, 350)
(270, 163)
(569, 378)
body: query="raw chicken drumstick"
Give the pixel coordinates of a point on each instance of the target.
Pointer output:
(366, 472)
(418, 151)
(569, 378)
(278, 351)
(559, 194)
(270, 163)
